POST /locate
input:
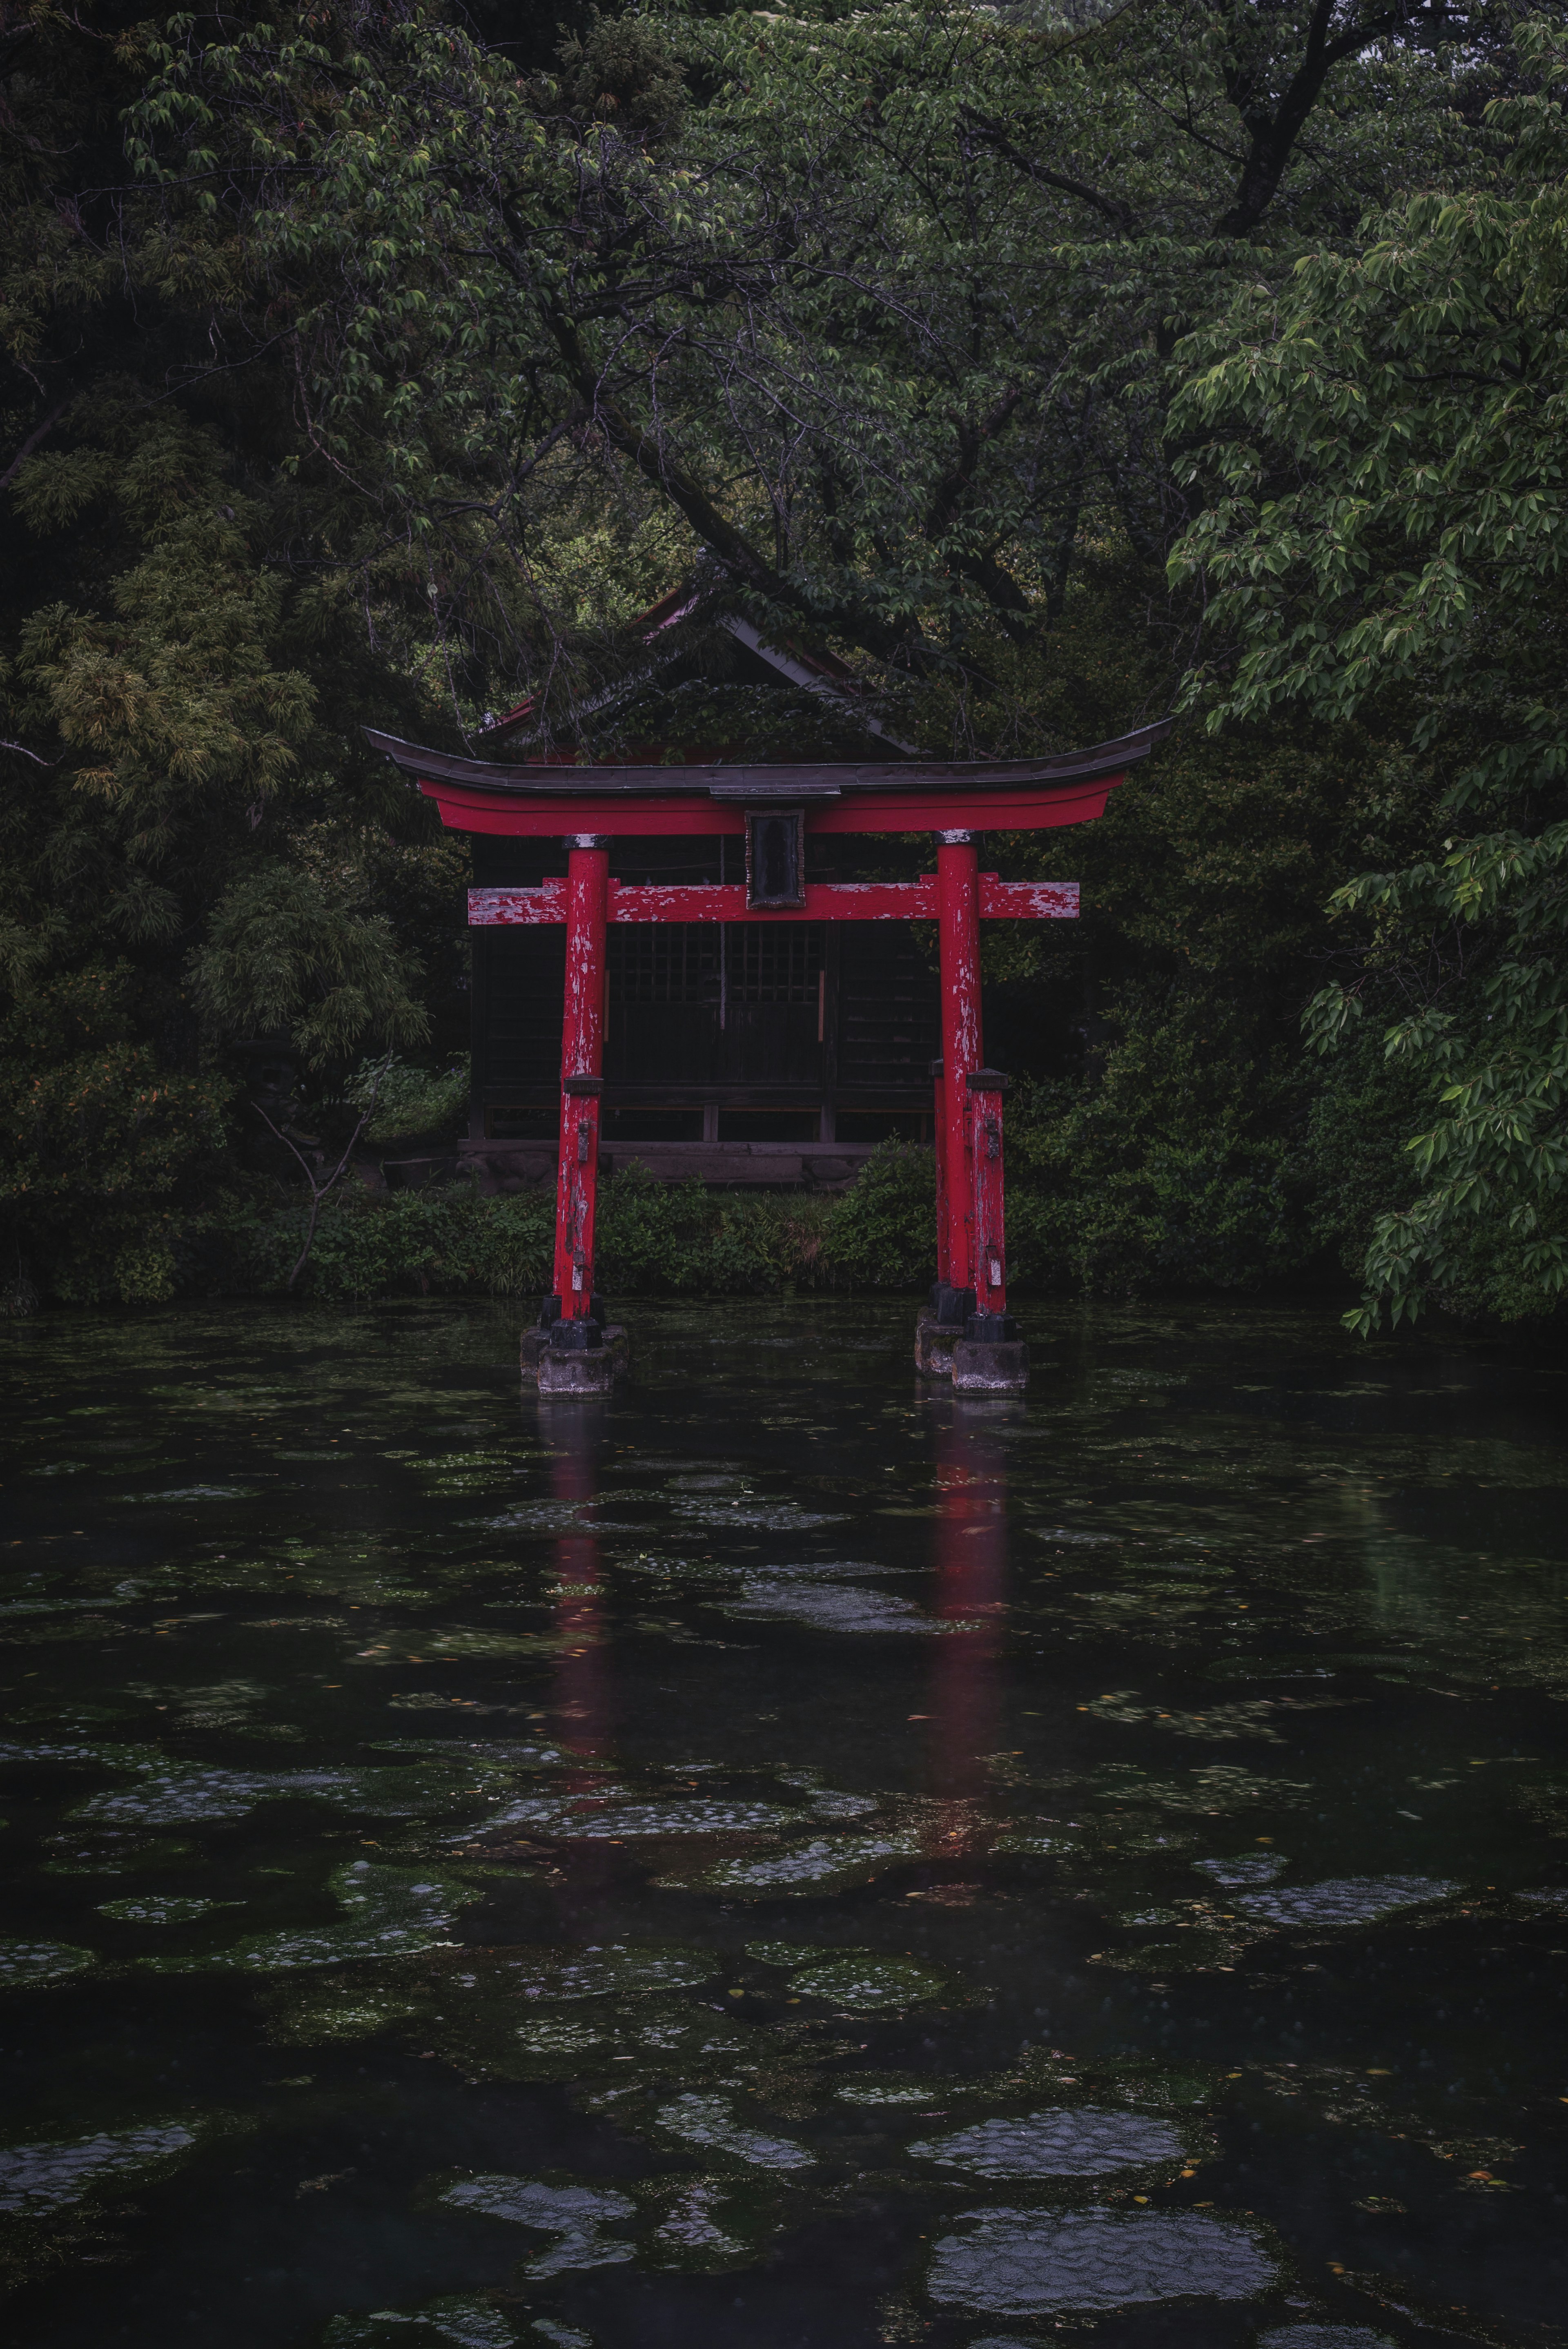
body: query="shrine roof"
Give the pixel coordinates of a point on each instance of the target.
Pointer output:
(743, 784)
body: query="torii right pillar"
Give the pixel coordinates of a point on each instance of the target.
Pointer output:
(967, 1333)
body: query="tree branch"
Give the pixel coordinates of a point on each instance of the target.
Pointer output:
(39, 432)
(1013, 607)
(318, 1190)
(1273, 133)
(656, 464)
(1119, 214)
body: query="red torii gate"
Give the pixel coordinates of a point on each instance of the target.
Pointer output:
(777, 809)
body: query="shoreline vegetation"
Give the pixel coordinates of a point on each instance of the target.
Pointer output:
(661, 1240)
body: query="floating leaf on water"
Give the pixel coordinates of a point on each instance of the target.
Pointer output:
(632, 1970)
(1027, 2263)
(197, 1493)
(161, 1908)
(830, 1864)
(126, 1860)
(32, 1965)
(181, 1793)
(553, 2034)
(588, 1818)
(777, 1517)
(466, 2321)
(1345, 1900)
(1308, 1667)
(830, 1803)
(488, 1752)
(574, 2215)
(1130, 2080)
(1216, 1786)
(101, 1756)
(538, 1517)
(1079, 2142)
(1246, 1867)
(829, 1606)
(784, 1953)
(1323, 2336)
(347, 2007)
(708, 2124)
(874, 2090)
(189, 1792)
(691, 2235)
(389, 1912)
(669, 2027)
(868, 1982)
(46, 2177)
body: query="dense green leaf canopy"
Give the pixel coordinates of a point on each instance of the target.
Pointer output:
(1388, 525)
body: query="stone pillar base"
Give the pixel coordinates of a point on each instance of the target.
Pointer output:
(594, 1372)
(933, 1344)
(990, 1369)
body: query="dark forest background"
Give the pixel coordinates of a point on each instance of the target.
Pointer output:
(1054, 366)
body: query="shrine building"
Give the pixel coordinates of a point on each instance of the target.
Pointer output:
(676, 962)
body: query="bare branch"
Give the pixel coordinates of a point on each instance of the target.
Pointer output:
(319, 1190)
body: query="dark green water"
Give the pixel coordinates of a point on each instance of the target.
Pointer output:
(784, 1860)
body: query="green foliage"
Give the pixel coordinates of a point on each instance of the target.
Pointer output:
(619, 71)
(190, 634)
(98, 1146)
(442, 1239)
(1171, 1170)
(654, 1240)
(883, 1230)
(408, 1099)
(280, 955)
(1354, 1165)
(1388, 528)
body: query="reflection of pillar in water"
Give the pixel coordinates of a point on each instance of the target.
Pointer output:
(574, 1427)
(971, 1595)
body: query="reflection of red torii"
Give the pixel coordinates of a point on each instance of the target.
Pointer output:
(776, 809)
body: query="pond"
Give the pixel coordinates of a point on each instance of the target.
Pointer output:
(783, 1857)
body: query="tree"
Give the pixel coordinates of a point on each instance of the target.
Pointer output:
(190, 634)
(1390, 529)
(877, 311)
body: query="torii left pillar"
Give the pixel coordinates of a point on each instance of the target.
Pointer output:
(574, 1357)
(967, 1333)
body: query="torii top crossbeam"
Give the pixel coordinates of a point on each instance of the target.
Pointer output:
(545, 799)
(778, 809)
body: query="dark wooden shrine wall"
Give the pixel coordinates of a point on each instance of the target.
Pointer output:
(770, 1017)
(500, 862)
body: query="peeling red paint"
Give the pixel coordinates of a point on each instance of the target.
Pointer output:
(958, 885)
(583, 893)
(826, 901)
